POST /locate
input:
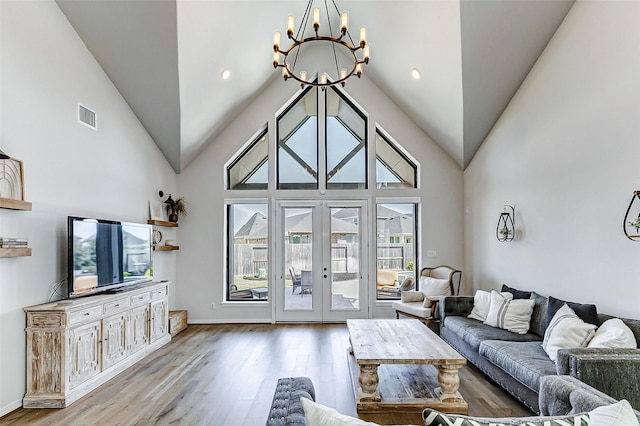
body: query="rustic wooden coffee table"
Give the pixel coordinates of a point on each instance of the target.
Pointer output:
(396, 360)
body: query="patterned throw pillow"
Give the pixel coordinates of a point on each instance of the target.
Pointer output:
(435, 418)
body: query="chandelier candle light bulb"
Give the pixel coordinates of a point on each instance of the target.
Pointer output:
(277, 38)
(316, 19)
(344, 22)
(363, 36)
(291, 26)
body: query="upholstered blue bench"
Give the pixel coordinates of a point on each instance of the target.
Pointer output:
(286, 408)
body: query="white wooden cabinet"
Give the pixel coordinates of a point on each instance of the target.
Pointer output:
(74, 346)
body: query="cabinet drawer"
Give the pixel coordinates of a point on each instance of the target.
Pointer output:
(85, 314)
(158, 292)
(140, 298)
(116, 305)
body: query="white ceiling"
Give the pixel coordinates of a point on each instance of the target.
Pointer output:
(165, 58)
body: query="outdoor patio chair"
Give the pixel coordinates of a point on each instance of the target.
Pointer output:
(296, 280)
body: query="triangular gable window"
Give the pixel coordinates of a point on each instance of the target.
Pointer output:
(250, 168)
(394, 169)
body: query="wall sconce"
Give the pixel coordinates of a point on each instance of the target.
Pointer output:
(506, 229)
(632, 223)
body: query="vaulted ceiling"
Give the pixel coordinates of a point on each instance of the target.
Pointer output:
(166, 56)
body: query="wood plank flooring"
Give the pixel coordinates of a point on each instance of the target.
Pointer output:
(225, 374)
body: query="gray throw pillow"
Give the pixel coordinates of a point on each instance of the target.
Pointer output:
(586, 312)
(517, 294)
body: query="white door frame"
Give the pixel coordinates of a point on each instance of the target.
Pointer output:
(320, 309)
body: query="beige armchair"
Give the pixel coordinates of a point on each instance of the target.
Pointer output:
(422, 304)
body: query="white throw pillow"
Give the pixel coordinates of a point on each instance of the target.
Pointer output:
(482, 302)
(614, 334)
(434, 287)
(566, 330)
(411, 296)
(510, 314)
(618, 414)
(318, 415)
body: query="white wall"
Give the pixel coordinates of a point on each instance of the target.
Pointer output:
(565, 153)
(202, 258)
(70, 169)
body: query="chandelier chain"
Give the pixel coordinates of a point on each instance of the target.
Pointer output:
(333, 45)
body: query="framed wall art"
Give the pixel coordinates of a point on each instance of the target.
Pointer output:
(11, 179)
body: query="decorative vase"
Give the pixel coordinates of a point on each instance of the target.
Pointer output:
(173, 216)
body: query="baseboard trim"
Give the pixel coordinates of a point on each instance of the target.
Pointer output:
(10, 407)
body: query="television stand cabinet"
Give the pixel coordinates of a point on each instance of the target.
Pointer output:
(75, 345)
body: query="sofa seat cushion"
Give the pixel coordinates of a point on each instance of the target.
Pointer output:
(413, 308)
(526, 362)
(474, 332)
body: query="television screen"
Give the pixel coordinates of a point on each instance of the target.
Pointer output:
(106, 254)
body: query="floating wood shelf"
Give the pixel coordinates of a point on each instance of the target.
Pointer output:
(10, 203)
(165, 248)
(162, 223)
(15, 252)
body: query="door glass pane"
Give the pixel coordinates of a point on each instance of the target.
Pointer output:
(395, 247)
(298, 144)
(298, 258)
(345, 145)
(345, 258)
(248, 252)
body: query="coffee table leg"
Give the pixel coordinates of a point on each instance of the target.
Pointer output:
(449, 382)
(368, 380)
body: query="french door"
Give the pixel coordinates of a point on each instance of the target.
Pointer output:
(322, 260)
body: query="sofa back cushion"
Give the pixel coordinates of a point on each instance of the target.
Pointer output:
(586, 312)
(538, 323)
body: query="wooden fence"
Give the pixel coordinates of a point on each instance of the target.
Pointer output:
(252, 259)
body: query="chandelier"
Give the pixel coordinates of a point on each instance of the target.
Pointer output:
(287, 59)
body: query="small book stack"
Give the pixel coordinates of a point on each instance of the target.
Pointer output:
(12, 243)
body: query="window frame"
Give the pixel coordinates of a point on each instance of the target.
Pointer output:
(229, 259)
(417, 207)
(403, 153)
(365, 117)
(279, 115)
(239, 154)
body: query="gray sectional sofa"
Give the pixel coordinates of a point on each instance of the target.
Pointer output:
(517, 362)
(559, 396)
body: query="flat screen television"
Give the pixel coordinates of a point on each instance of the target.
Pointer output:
(107, 255)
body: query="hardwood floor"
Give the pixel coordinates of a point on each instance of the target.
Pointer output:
(226, 375)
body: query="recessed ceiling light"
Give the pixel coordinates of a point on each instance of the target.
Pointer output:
(416, 74)
(225, 74)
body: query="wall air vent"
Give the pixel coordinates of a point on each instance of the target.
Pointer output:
(87, 117)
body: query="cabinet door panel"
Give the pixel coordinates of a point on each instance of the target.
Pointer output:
(159, 319)
(85, 357)
(139, 328)
(114, 342)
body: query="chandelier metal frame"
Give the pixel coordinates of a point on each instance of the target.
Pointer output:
(288, 71)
